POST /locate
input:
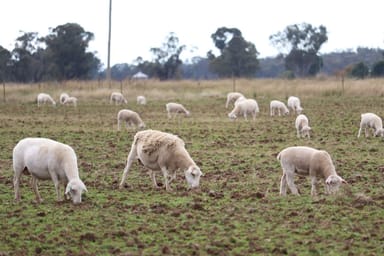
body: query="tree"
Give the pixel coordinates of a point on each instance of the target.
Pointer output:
(301, 44)
(378, 69)
(359, 70)
(5, 59)
(238, 58)
(66, 53)
(167, 58)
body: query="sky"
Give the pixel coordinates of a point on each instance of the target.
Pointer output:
(140, 25)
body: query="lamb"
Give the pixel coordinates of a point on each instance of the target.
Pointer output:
(131, 118)
(294, 104)
(232, 97)
(276, 105)
(165, 152)
(47, 159)
(44, 98)
(302, 126)
(245, 107)
(371, 121)
(117, 98)
(141, 100)
(310, 162)
(63, 96)
(176, 108)
(70, 100)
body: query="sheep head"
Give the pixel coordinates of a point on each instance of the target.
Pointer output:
(332, 183)
(74, 190)
(192, 175)
(379, 132)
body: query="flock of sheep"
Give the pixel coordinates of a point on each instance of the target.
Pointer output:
(165, 153)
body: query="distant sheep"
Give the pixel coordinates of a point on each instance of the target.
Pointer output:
(141, 100)
(302, 126)
(373, 122)
(310, 162)
(70, 101)
(279, 107)
(165, 152)
(295, 105)
(44, 98)
(174, 109)
(131, 118)
(245, 107)
(63, 96)
(232, 97)
(117, 98)
(47, 159)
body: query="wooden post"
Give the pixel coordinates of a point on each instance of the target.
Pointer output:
(3, 91)
(342, 83)
(121, 86)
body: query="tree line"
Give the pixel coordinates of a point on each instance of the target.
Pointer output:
(63, 55)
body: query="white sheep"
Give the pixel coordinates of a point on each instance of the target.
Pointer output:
(44, 98)
(279, 107)
(232, 97)
(175, 109)
(245, 107)
(240, 99)
(47, 159)
(70, 100)
(63, 96)
(302, 126)
(371, 121)
(131, 118)
(310, 162)
(295, 105)
(165, 152)
(141, 100)
(117, 98)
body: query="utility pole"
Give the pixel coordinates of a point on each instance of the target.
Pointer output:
(109, 45)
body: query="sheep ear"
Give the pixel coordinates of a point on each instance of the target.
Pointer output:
(68, 189)
(344, 181)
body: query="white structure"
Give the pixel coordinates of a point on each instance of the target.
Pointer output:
(278, 107)
(117, 98)
(162, 152)
(174, 109)
(140, 75)
(130, 118)
(44, 98)
(294, 104)
(302, 126)
(310, 162)
(141, 100)
(371, 121)
(245, 107)
(47, 159)
(232, 97)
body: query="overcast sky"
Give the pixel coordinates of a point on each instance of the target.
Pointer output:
(140, 25)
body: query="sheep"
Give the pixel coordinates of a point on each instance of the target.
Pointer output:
(165, 152)
(232, 97)
(176, 108)
(141, 100)
(43, 98)
(276, 105)
(131, 118)
(63, 96)
(70, 100)
(244, 107)
(302, 126)
(294, 104)
(117, 98)
(371, 121)
(47, 159)
(241, 98)
(310, 162)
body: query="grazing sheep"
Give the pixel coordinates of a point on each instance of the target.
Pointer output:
(240, 99)
(176, 108)
(63, 96)
(302, 126)
(232, 97)
(294, 104)
(70, 100)
(44, 98)
(308, 162)
(141, 100)
(47, 159)
(244, 107)
(279, 107)
(165, 152)
(117, 98)
(371, 121)
(131, 118)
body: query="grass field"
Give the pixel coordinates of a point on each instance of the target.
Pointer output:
(236, 211)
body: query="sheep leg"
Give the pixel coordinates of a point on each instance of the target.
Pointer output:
(36, 190)
(165, 174)
(118, 125)
(314, 185)
(153, 177)
(16, 185)
(289, 178)
(283, 185)
(131, 157)
(366, 132)
(358, 134)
